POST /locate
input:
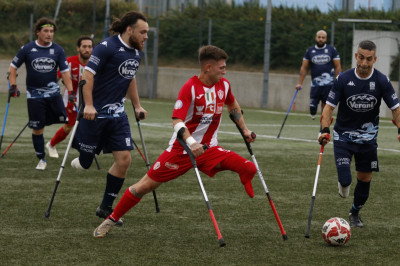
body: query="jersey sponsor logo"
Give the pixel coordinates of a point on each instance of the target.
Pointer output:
(128, 68)
(199, 110)
(171, 166)
(199, 97)
(220, 108)
(210, 109)
(178, 104)
(361, 102)
(43, 64)
(321, 59)
(351, 83)
(220, 94)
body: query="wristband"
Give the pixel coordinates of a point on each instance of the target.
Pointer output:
(190, 140)
(325, 130)
(178, 126)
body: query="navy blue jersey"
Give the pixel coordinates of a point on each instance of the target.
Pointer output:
(359, 100)
(114, 65)
(321, 61)
(42, 63)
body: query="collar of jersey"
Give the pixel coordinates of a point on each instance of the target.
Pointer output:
(37, 43)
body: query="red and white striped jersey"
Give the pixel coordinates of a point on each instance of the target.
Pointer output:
(76, 69)
(200, 107)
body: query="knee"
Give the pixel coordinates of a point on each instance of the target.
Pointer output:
(123, 162)
(344, 175)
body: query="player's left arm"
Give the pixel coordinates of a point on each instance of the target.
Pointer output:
(337, 67)
(396, 120)
(235, 110)
(134, 97)
(66, 78)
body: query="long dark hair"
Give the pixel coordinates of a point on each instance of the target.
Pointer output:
(129, 19)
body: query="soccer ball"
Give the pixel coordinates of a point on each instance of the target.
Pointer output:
(336, 231)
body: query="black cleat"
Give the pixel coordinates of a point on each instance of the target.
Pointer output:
(355, 220)
(104, 211)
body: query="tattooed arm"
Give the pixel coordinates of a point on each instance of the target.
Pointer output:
(234, 109)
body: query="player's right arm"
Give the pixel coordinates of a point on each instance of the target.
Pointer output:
(195, 147)
(303, 73)
(326, 120)
(89, 112)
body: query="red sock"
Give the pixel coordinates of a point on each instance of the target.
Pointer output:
(58, 137)
(244, 168)
(127, 201)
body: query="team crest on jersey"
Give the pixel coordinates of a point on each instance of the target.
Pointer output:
(156, 166)
(128, 142)
(128, 68)
(43, 64)
(361, 102)
(372, 85)
(199, 110)
(51, 51)
(220, 94)
(326, 51)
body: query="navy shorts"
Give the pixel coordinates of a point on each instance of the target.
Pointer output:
(46, 111)
(107, 134)
(365, 156)
(318, 94)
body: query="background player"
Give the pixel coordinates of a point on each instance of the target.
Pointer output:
(45, 103)
(325, 66)
(110, 76)
(358, 92)
(76, 63)
(198, 109)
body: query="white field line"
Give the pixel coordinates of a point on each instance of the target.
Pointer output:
(169, 125)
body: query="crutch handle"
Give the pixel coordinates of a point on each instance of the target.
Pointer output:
(141, 115)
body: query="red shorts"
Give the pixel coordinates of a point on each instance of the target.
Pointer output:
(171, 165)
(71, 113)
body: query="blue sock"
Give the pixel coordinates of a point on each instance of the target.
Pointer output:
(38, 145)
(113, 186)
(361, 194)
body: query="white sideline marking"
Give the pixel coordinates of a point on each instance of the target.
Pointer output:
(169, 125)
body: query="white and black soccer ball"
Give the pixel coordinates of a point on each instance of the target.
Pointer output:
(336, 231)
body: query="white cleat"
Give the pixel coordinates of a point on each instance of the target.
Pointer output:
(41, 165)
(51, 150)
(76, 164)
(343, 191)
(104, 228)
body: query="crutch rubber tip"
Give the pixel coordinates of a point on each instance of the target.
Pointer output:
(307, 236)
(285, 237)
(47, 214)
(222, 242)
